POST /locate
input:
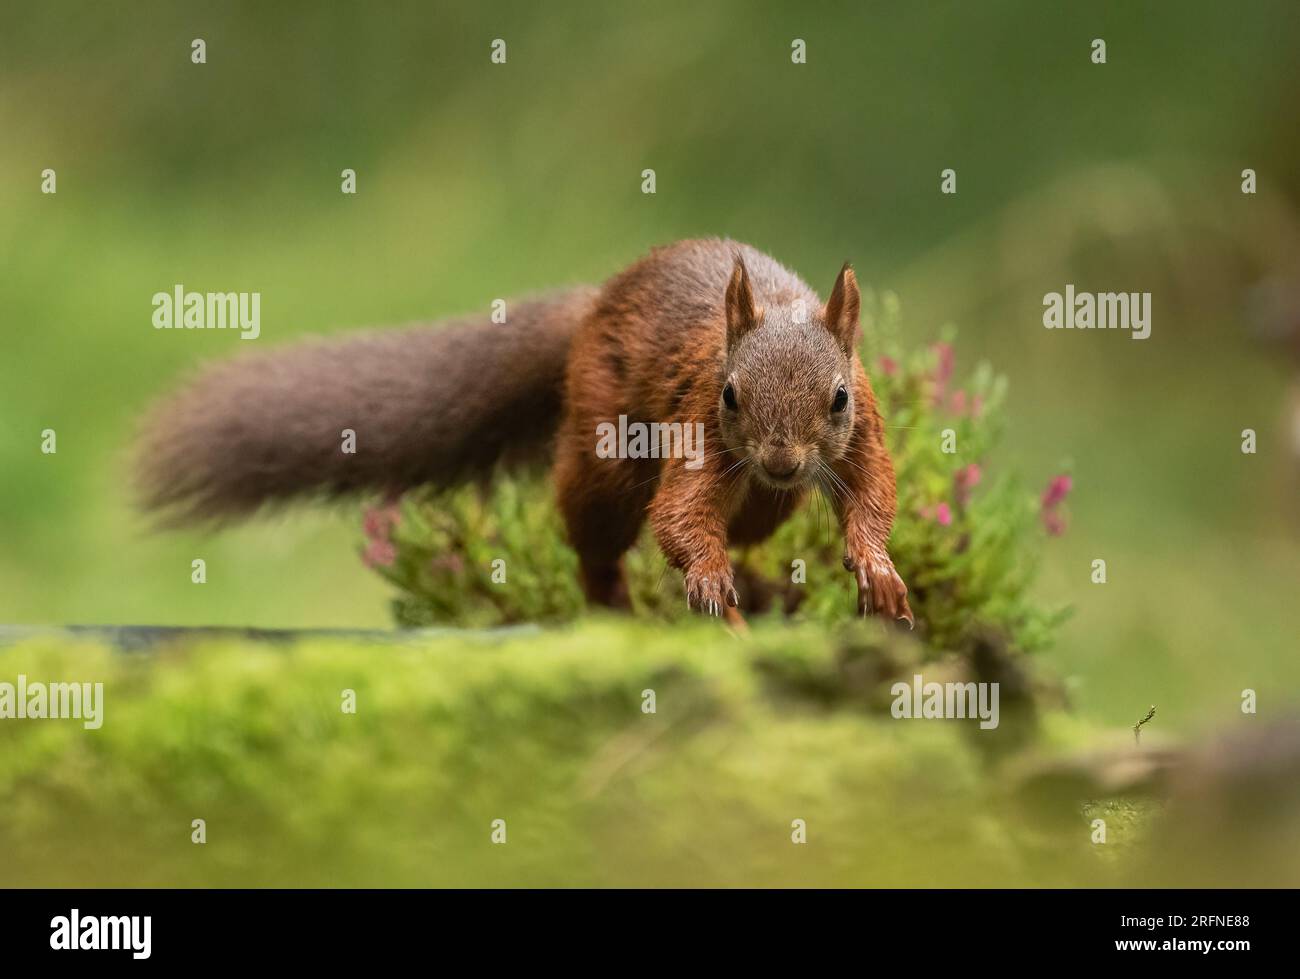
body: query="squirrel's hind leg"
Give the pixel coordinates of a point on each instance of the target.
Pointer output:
(604, 582)
(603, 509)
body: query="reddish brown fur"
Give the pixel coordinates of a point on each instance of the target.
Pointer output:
(433, 404)
(658, 343)
(656, 348)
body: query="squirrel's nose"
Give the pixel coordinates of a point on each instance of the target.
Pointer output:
(781, 473)
(781, 464)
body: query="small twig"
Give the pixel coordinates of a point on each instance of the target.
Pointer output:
(1137, 728)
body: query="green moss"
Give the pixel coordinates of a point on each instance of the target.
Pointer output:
(545, 731)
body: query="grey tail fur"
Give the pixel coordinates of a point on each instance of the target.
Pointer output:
(430, 405)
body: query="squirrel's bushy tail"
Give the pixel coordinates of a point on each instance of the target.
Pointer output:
(429, 405)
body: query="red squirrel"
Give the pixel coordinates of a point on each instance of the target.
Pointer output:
(711, 333)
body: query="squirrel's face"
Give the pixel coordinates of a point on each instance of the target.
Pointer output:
(786, 405)
(787, 402)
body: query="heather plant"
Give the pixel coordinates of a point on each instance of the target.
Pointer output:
(966, 539)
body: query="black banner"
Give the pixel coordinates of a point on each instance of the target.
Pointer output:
(334, 928)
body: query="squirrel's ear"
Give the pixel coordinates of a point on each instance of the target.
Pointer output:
(741, 314)
(842, 310)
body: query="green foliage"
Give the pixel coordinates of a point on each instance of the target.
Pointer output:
(965, 541)
(446, 546)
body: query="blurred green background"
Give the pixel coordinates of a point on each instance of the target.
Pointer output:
(479, 181)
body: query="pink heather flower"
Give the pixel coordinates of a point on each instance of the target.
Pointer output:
(957, 403)
(1057, 490)
(452, 563)
(888, 366)
(943, 514)
(977, 406)
(379, 553)
(379, 522)
(942, 370)
(963, 481)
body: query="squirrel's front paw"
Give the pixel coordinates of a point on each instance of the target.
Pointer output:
(880, 590)
(710, 591)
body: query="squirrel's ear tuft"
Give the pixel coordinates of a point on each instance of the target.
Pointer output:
(741, 314)
(842, 310)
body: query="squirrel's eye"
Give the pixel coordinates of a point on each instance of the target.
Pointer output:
(841, 399)
(729, 397)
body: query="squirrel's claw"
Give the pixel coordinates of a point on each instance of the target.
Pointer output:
(712, 608)
(880, 590)
(709, 595)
